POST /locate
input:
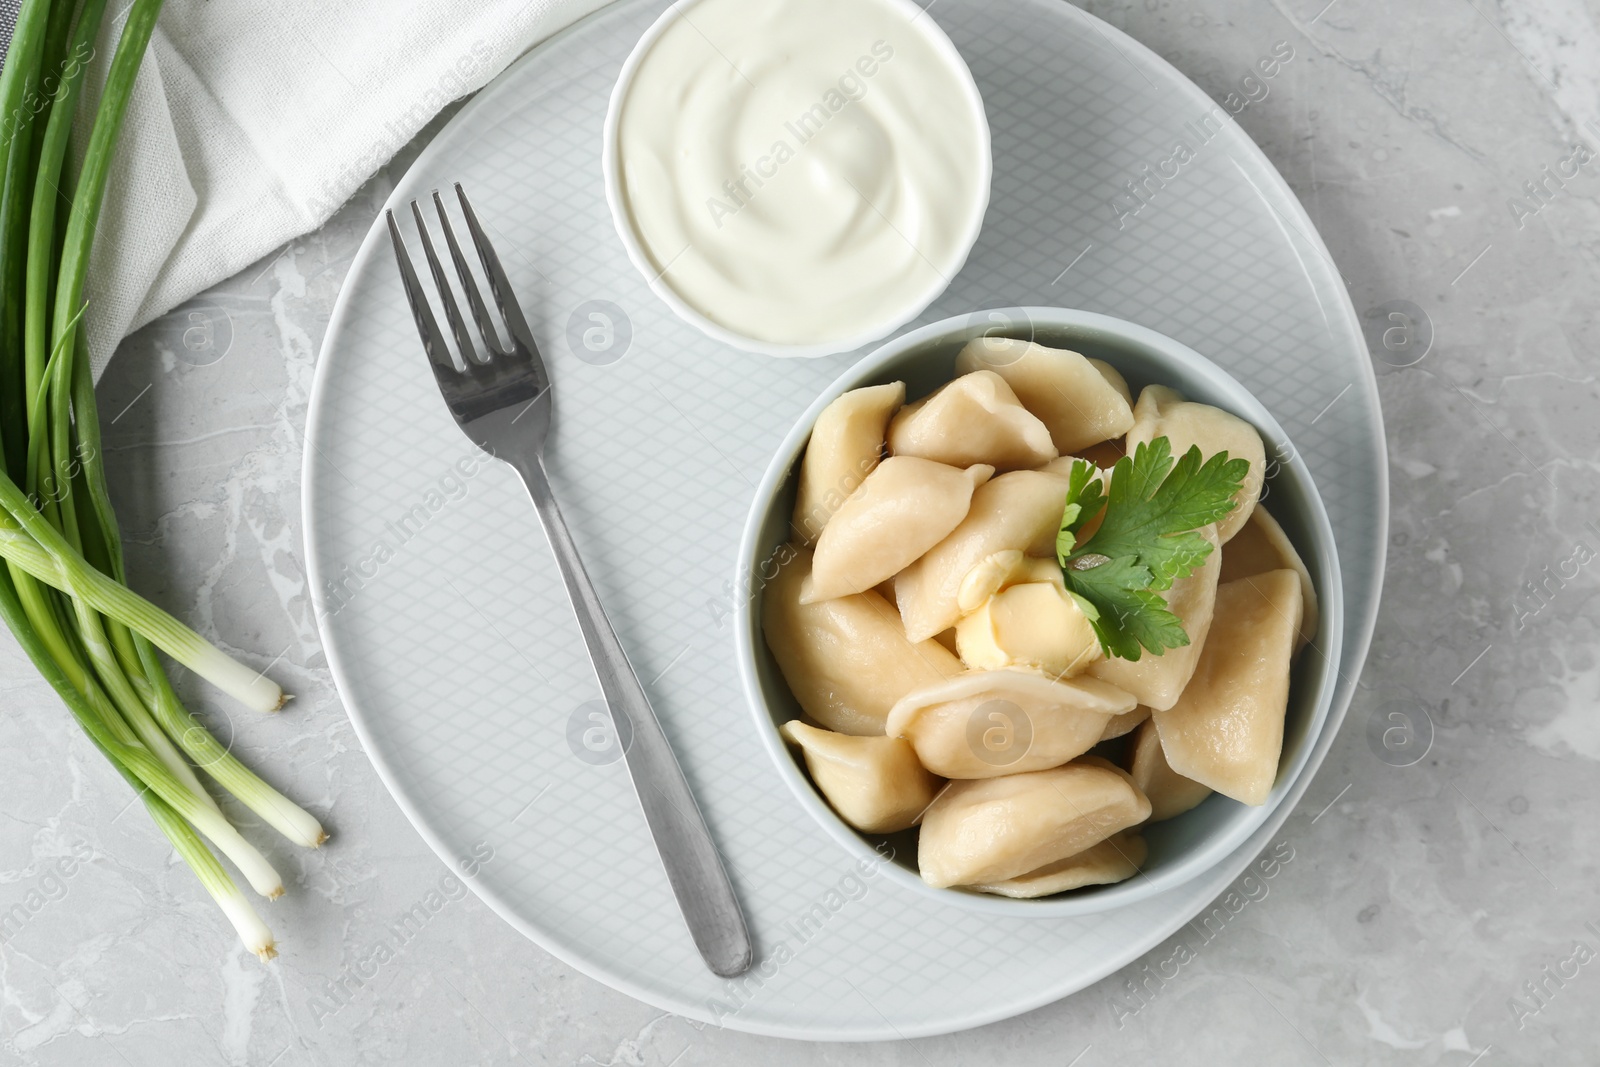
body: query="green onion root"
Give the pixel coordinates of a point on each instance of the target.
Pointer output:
(252, 931)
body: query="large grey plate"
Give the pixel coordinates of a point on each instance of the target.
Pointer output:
(453, 645)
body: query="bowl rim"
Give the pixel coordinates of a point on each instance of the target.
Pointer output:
(611, 180)
(1324, 566)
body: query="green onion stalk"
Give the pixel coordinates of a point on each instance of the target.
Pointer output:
(63, 583)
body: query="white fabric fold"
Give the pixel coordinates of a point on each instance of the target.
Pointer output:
(251, 123)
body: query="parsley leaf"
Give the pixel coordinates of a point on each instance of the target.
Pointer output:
(1085, 498)
(1148, 538)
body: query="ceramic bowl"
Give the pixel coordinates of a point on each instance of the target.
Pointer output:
(893, 317)
(1180, 848)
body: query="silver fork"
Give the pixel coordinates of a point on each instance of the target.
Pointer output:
(501, 400)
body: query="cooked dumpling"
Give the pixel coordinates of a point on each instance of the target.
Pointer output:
(905, 507)
(1125, 723)
(994, 829)
(1115, 379)
(1075, 399)
(1158, 680)
(846, 660)
(874, 783)
(1263, 546)
(974, 419)
(1162, 412)
(1029, 624)
(982, 724)
(1170, 793)
(1020, 511)
(1115, 859)
(1101, 761)
(1153, 399)
(846, 444)
(1226, 731)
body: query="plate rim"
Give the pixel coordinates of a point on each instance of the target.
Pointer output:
(342, 672)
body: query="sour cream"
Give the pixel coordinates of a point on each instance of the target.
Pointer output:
(798, 172)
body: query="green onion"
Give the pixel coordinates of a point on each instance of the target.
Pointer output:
(252, 931)
(18, 79)
(46, 199)
(40, 549)
(285, 816)
(63, 589)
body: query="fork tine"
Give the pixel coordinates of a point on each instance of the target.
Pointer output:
(458, 325)
(427, 326)
(486, 326)
(504, 298)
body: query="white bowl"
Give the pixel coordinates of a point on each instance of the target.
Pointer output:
(1180, 848)
(893, 317)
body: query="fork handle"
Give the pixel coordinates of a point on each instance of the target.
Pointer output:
(693, 867)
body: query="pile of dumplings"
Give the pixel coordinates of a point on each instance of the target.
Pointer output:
(949, 682)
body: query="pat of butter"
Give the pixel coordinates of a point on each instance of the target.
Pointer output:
(1007, 567)
(1032, 624)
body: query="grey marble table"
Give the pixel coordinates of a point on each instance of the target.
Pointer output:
(1441, 904)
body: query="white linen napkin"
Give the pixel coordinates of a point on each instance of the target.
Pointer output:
(251, 122)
